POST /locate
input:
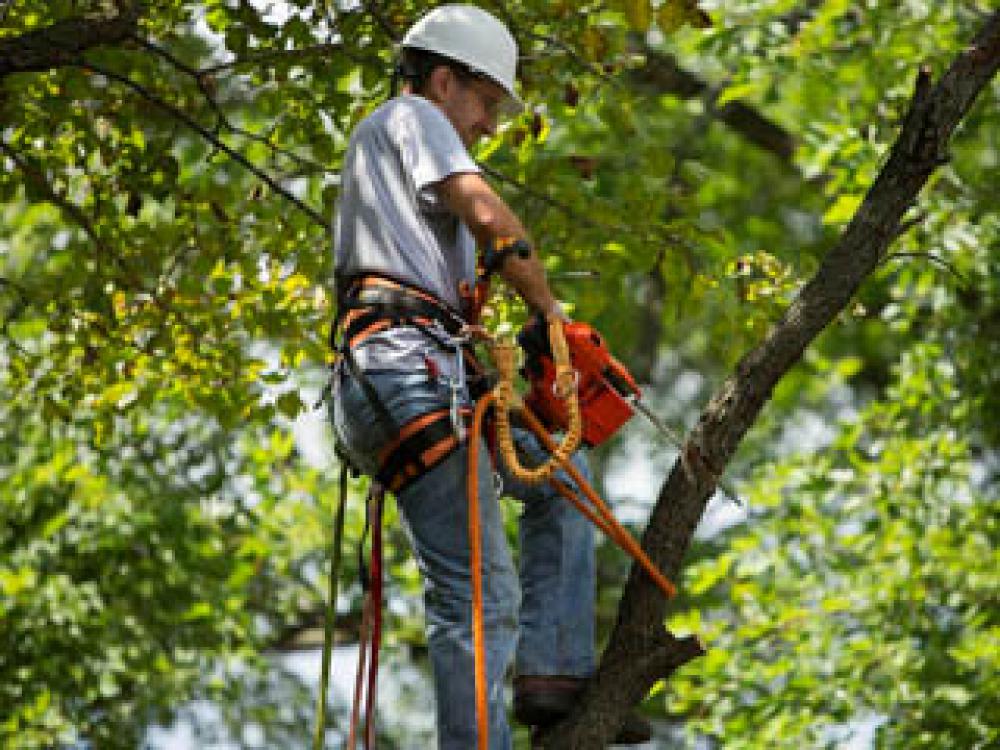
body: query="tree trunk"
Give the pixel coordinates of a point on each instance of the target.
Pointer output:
(63, 42)
(640, 651)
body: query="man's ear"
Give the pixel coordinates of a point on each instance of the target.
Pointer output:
(439, 84)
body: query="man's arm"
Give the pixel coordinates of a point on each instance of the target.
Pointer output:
(471, 198)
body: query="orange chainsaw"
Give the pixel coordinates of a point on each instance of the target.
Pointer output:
(609, 395)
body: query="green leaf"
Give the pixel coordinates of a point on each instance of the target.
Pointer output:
(198, 611)
(843, 209)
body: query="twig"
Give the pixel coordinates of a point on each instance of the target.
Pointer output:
(613, 228)
(906, 226)
(199, 77)
(73, 211)
(269, 55)
(375, 12)
(544, 198)
(188, 70)
(70, 209)
(210, 137)
(937, 260)
(313, 166)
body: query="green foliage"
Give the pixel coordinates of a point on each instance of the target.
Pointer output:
(165, 293)
(863, 586)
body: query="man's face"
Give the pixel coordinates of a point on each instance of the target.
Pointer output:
(472, 104)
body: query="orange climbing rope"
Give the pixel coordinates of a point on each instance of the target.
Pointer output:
(504, 399)
(476, 570)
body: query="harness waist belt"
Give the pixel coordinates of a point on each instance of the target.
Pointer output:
(372, 304)
(369, 305)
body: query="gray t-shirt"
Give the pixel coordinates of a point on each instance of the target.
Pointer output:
(390, 220)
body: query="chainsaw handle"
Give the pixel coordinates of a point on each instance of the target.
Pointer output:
(565, 383)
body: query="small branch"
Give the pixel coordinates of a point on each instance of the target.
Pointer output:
(211, 138)
(585, 64)
(188, 70)
(669, 654)
(937, 260)
(312, 166)
(906, 226)
(72, 211)
(272, 55)
(569, 211)
(663, 73)
(222, 121)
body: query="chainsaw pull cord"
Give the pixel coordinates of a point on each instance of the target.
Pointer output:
(506, 400)
(331, 613)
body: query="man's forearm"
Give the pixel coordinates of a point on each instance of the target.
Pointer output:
(527, 276)
(489, 218)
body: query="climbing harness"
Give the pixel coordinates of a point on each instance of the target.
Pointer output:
(373, 303)
(573, 402)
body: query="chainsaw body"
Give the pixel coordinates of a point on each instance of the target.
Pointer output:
(604, 385)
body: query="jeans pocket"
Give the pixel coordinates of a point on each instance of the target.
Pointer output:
(363, 428)
(356, 424)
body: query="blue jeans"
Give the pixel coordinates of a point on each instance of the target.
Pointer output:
(542, 618)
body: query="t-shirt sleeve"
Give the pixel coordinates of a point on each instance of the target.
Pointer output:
(430, 148)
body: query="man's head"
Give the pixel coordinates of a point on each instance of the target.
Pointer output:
(464, 60)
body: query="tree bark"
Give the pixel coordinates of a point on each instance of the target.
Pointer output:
(640, 651)
(63, 42)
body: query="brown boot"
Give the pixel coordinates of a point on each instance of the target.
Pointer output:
(542, 700)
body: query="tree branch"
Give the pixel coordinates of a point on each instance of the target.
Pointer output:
(63, 42)
(652, 232)
(620, 681)
(930, 258)
(211, 138)
(201, 78)
(73, 212)
(70, 210)
(663, 73)
(272, 55)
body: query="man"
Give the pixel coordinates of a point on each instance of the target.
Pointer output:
(413, 208)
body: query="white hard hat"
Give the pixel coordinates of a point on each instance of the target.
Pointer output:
(472, 37)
